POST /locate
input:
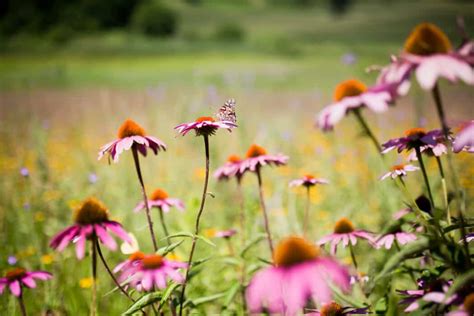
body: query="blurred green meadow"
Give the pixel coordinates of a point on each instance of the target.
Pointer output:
(60, 101)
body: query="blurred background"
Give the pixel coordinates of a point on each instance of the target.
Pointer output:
(72, 71)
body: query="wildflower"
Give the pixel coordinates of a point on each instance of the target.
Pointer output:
(399, 171)
(127, 267)
(160, 199)
(16, 278)
(352, 95)
(345, 232)
(308, 181)
(221, 233)
(230, 169)
(414, 137)
(152, 271)
(429, 54)
(91, 219)
(465, 138)
(400, 237)
(131, 136)
(257, 157)
(86, 283)
(204, 125)
(24, 172)
(93, 178)
(334, 309)
(47, 259)
(468, 238)
(429, 290)
(300, 274)
(12, 260)
(349, 59)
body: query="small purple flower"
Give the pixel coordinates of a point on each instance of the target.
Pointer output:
(93, 178)
(349, 59)
(257, 157)
(399, 171)
(344, 232)
(465, 138)
(24, 172)
(12, 260)
(308, 181)
(91, 219)
(400, 237)
(131, 136)
(160, 199)
(468, 238)
(26, 206)
(204, 126)
(221, 233)
(16, 278)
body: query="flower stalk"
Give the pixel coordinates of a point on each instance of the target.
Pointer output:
(198, 218)
(425, 175)
(264, 210)
(21, 302)
(368, 132)
(145, 198)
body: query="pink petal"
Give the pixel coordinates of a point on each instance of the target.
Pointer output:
(104, 237)
(15, 288)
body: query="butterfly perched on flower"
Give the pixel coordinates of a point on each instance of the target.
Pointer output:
(227, 112)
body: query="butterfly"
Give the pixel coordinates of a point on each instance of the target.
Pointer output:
(227, 112)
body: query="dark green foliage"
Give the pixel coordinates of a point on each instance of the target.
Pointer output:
(155, 19)
(230, 32)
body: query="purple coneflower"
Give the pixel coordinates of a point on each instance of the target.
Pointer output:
(300, 274)
(345, 232)
(127, 267)
(131, 136)
(230, 169)
(91, 220)
(399, 171)
(399, 238)
(428, 52)
(16, 278)
(307, 181)
(334, 309)
(414, 138)
(467, 309)
(221, 233)
(465, 138)
(204, 126)
(152, 271)
(160, 199)
(428, 291)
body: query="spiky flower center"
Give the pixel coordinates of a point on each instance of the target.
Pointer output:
(308, 177)
(294, 250)
(416, 132)
(159, 194)
(91, 211)
(205, 118)
(130, 128)
(332, 309)
(234, 159)
(255, 151)
(343, 226)
(15, 273)
(469, 304)
(397, 167)
(427, 39)
(151, 262)
(137, 255)
(349, 88)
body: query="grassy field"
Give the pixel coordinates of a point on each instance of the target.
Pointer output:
(60, 103)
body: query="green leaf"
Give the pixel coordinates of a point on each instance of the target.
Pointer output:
(163, 251)
(143, 301)
(167, 293)
(204, 299)
(207, 241)
(349, 300)
(231, 294)
(407, 252)
(252, 243)
(180, 234)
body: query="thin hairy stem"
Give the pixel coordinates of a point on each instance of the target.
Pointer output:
(145, 198)
(445, 190)
(306, 213)
(425, 175)
(21, 302)
(165, 228)
(196, 230)
(264, 210)
(351, 250)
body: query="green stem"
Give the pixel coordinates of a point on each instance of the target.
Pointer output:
(406, 267)
(425, 175)
(240, 197)
(196, 230)
(306, 213)
(351, 250)
(445, 190)
(22, 305)
(264, 210)
(165, 229)
(368, 131)
(145, 198)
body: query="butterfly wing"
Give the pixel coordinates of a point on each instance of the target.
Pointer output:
(227, 112)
